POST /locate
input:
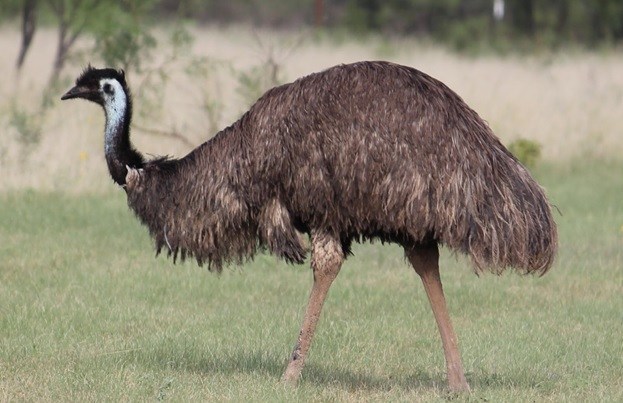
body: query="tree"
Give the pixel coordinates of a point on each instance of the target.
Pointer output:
(522, 16)
(74, 17)
(121, 37)
(29, 25)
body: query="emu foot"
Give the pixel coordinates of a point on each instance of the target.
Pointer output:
(458, 384)
(291, 375)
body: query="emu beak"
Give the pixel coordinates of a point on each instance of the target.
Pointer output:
(79, 92)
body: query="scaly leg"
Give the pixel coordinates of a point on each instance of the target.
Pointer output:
(425, 261)
(327, 258)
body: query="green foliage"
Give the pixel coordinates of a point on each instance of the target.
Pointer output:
(10, 9)
(257, 79)
(128, 47)
(28, 126)
(542, 23)
(467, 35)
(465, 24)
(155, 76)
(528, 152)
(252, 83)
(123, 38)
(205, 71)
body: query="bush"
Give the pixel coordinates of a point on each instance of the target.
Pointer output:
(28, 127)
(528, 152)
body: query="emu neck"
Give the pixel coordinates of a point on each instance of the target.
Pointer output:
(117, 147)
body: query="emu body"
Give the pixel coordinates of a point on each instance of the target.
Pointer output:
(356, 152)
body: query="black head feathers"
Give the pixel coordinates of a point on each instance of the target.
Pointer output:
(92, 76)
(89, 82)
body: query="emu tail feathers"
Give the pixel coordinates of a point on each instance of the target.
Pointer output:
(506, 221)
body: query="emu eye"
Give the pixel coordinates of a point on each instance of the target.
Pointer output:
(108, 88)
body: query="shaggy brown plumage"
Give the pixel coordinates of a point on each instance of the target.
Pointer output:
(370, 150)
(367, 150)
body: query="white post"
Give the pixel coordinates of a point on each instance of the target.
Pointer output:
(498, 10)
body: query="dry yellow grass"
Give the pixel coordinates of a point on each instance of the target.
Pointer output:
(572, 103)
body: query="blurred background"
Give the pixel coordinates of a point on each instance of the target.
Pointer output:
(544, 74)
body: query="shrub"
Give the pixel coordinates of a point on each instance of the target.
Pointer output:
(528, 152)
(28, 127)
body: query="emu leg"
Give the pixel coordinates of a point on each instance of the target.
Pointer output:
(327, 258)
(425, 261)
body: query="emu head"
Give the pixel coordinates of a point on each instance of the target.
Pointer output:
(106, 87)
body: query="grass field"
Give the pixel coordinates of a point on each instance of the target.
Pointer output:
(87, 313)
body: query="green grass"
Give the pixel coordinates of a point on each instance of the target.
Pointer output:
(87, 313)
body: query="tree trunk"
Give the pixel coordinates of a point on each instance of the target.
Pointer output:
(29, 20)
(61, 51)
(66, 36)
(319, 13)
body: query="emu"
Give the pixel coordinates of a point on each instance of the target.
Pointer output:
(363, 151)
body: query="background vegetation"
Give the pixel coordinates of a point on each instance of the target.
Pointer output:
(122, 34)
(458, 22)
